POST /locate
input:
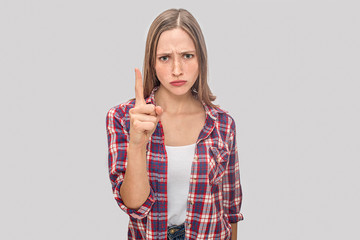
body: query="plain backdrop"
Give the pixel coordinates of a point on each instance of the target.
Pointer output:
(287, 71)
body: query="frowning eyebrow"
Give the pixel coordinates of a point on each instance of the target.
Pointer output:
(182, 52)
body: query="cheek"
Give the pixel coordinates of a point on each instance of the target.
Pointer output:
(161, 71)
(194, 69)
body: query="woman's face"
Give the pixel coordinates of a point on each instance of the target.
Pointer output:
(176, 63)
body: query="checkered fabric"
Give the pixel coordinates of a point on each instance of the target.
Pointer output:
(215, 194)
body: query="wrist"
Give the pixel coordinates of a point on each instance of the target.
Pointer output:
(137, 146)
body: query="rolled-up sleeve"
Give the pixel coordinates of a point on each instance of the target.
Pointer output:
(118, 141)
(232, 191)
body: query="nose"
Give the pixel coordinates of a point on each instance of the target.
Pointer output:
(177, 67)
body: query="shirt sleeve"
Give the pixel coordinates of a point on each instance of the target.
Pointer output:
(232, 191)
(118, 141)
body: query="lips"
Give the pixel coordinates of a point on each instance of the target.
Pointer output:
(178, 83)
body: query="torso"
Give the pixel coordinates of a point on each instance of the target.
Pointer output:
(184, 129)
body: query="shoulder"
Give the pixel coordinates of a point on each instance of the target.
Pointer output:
(224, 119)
(121, 111)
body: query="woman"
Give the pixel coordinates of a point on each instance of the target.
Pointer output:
(173, 158)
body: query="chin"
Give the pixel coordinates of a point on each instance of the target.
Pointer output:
(179, 91)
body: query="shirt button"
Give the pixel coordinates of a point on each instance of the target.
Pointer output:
(196, 158)
(191, 202)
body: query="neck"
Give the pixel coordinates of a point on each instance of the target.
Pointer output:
(175, 104)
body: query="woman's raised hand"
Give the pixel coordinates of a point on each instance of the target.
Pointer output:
(143, 117)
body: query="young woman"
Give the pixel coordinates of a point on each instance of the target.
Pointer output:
(173, 158)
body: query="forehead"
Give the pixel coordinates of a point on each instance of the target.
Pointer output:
(175, 39)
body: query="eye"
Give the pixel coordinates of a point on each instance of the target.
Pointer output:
(164, 58)
(188, 56)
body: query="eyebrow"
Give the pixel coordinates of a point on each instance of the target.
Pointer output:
(182, 52)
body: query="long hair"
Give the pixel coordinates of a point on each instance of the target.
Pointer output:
(168, 20)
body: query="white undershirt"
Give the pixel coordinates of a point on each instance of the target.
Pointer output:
(179, 169)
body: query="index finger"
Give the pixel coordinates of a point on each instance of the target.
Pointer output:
(139, 90)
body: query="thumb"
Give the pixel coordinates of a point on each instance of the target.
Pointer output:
(158, 111)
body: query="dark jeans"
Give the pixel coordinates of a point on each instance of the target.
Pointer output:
(176, 232)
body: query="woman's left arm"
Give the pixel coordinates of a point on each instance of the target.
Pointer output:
(232, 192)
(233, 231)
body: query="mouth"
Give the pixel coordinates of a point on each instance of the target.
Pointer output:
(178, 82)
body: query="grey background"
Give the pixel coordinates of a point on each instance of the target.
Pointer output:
(287, 71)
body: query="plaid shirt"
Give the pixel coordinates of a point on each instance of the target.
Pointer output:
(215, 195)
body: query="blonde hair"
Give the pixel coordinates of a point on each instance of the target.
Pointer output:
(168, 20)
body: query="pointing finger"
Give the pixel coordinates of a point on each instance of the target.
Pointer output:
(139, 90)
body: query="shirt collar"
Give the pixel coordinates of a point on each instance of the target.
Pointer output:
(209, 110)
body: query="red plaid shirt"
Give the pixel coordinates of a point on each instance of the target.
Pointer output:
(215, 195)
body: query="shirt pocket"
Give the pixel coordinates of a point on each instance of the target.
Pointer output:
(217, 164)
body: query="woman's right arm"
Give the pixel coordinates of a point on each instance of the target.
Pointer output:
(135, 188)
(118, 144)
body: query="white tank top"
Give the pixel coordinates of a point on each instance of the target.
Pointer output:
(179, 169)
